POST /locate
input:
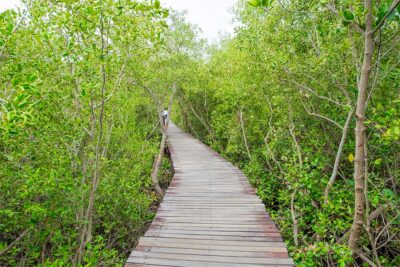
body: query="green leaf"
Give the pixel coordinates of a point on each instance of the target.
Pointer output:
(388, 193)
(24, 102)
(378, 161)
(32, 77)
(157, 4)
(375, 200)
(255, 3)
(382, 11)
(396, 130)
(266, 3)
(15, 81)
(165, 13)
(348, 15)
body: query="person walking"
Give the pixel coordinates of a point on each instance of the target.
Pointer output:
(164, 114)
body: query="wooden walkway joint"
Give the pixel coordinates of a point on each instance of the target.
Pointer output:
(210, 215)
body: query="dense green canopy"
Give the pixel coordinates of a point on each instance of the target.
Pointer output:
(82, 83)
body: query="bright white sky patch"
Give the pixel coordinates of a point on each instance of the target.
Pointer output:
(7, 4)
(212, 16)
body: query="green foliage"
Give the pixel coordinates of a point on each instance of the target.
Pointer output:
(323, 251)
(263, 3)
(284, 72)
(50, 131)
(82, 82)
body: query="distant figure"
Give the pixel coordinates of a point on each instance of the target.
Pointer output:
(165, 117)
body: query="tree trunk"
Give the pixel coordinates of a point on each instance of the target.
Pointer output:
(294, 218)
(157, 165)
(360, 137)
(85, 232)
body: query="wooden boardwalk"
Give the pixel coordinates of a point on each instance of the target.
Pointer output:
(210, 215)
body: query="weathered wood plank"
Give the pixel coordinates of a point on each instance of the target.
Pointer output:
(214, 232)
(195, 245)
(209, 258)
(214, 242)
(218, 231)
(215, 237)
(214, 252)
(210, 226)
(189, 263)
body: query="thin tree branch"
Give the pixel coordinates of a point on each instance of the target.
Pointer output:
(15, 29)
(365, 258)
(294, 218)
(383, 20)
(322, 117)
(338, 156)
(200, 118)
(353, 24)
(308, 89)
(118, 82)
(244, 134)
(12, 244)
(386, 52)
(296, 144)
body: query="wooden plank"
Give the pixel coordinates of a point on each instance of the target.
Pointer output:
(195, 245)
(210, 258)
(210, 214)
(217, 222)
(238, 227)
(217, 219)
(216, 215)
(211, 206)
(249, 244)
(215, 237)
(211, 209)
(206, 221)
(258, 229)
(189, 263)
(214, 252)
(128, 264)
(194, 207)
(273, 233)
